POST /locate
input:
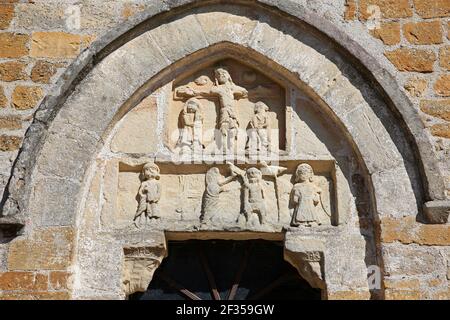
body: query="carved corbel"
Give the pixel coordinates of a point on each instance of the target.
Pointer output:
(140, 264)
(307, 256)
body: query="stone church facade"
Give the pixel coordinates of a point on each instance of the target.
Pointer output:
(127, 126)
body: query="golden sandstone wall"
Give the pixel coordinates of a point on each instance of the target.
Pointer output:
(39, 39)
(415, 35)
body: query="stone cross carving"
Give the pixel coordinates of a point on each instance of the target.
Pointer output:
(273, 172)
(225, 89)
(191, 122)
(258, 139)
(306, 198)
(149, 194)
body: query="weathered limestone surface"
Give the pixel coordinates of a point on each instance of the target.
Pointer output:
(84, 161)
(138, 127)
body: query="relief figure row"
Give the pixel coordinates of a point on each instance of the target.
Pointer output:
(305, 197)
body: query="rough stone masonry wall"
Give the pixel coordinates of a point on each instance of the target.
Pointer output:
(415, 35)
(416, 39)
(39, 39)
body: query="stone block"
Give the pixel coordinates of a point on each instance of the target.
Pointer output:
(3, 98)
(416, 87)
(43, 71)
(387, 8)
(59, 280)
(402, 284)
(3, 257)
(436, 108)
(349, 295)
(427, 32)
(221, 26)
(394, 183)
(10, 122)
(67, 152)
(45, 295)
(413, 60)
(412, 260)
(395, 294)
(26, 97)
(441, 130)
(42, 15)
(138, 133)
(13, 71)
(10, 143)
(6, 15)
(388, 32)
(442, 85)
(50, 209)
(444, 57)
(26, 281)
(432, 9)
(186, 37)
(351, 10)
(13, 45)
(407, 231)
(44, 249)
(56, 44)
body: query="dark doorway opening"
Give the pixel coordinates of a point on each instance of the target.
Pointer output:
(227, 270)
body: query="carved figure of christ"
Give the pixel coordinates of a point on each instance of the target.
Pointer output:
(228, 121)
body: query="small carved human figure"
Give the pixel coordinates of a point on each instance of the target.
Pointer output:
(191, 122)
(215, 183)
(149, 194)
(306, 199)
(258, 139)
(254, 197)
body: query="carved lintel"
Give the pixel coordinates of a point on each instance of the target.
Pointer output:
(139, 266)
(437, 212)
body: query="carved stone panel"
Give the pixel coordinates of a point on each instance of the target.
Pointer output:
(226, 196)
(216, 106)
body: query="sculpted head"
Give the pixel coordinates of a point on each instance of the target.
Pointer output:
(192, 105)
(222, 76)
(150, 171)
(254, 174)
(304, 173)
(261, 107)
(212, 175)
